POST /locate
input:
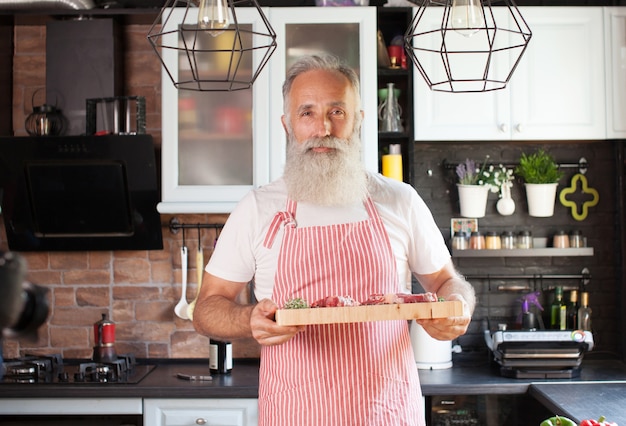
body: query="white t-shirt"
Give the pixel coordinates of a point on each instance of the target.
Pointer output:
(239, 255)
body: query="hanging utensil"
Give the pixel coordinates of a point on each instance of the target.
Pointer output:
(182, 306)
(199, 271)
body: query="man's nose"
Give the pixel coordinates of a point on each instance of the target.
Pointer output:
(323, 127)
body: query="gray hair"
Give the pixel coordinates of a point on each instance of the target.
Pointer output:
(323, 62)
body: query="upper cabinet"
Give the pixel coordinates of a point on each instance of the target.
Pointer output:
(217, 146)
(556, 92)
(615, 52)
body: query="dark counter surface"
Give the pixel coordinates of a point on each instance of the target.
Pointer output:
(599, 390)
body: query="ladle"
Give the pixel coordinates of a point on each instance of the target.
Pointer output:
(182, 306)
(199, 273)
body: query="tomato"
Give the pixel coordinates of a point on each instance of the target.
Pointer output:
(599, 422)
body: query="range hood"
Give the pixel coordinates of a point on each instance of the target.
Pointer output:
(70, 193)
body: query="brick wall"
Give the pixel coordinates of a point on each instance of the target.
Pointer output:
(137, 289)
(437, 185)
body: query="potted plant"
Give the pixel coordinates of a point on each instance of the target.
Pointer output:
(541, 176)
(473, 188)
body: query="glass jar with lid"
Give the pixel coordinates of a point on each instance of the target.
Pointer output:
(492, 241)
(459, 241)
(477, 241)
(524, 240)
(507, 240)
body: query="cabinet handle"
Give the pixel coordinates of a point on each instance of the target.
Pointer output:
(519, 128)
(504, 128)
(200, 421)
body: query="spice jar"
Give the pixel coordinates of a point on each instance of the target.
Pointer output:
(477, 241)
(459, 241)
(524, 240)
(560, 240)
(507, 240)
(576, 239)
(492, 241)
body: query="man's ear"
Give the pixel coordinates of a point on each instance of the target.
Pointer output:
(283, 120)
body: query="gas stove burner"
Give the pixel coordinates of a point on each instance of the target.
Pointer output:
(32, 368)
(51, 369)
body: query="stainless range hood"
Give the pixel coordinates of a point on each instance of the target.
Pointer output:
(69, 193)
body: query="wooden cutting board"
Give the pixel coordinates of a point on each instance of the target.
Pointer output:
(365, 313)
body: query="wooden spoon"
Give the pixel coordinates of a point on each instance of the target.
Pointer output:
(199, 271)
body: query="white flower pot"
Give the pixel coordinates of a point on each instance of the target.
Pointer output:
(541, 198)
(473, 200)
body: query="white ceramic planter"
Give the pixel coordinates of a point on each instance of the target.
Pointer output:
(473, 200)
(541, 198)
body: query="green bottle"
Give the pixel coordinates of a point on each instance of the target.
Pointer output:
(558, 311)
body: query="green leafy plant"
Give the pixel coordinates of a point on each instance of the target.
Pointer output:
(538, 167)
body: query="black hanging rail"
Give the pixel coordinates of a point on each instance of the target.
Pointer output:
(582, 165)
(175, 225)
(530, 277)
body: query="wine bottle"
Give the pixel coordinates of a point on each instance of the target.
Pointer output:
(220, 357)
(584, 313)
(572, 310)
(558, 311)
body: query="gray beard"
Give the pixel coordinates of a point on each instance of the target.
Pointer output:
(336, 178)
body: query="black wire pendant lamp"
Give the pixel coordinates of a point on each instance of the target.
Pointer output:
(204, 46)
(463, 46)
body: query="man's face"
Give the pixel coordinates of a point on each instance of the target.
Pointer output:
(321, 103)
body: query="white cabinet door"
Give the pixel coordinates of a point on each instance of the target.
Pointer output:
(209, 412)
(458, 116)
(217, 146)
(556, 92)
(615, 53)
(348, 32)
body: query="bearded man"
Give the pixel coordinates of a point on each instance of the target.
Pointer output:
(329, 228)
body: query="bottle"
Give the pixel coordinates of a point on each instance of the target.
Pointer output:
(558, 311)
(220, 357)
(572, 310)
(584, 312)
(392, 162)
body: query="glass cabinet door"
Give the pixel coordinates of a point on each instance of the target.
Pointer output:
(350, 34)
(215, 144)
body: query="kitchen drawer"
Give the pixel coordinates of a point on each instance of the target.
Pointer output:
(209, 412)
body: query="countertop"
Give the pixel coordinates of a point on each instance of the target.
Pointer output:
(599, 390)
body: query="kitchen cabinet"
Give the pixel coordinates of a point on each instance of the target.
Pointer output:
(217, 146)
(556, 92)
(209, 412)
(615, 53)
(393, 23)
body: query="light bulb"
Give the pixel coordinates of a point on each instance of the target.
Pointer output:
(467, 16)
(213, 16)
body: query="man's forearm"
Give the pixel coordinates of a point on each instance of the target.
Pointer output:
(219, 317)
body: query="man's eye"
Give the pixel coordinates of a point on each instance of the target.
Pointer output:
(338, 112)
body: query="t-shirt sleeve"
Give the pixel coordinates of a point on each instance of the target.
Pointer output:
(428, 252)
(233, 257)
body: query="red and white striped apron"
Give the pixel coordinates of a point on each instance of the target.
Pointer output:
(338, 374)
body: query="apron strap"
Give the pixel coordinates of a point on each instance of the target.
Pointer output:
(286, 218)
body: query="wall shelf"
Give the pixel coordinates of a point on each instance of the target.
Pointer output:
(535, 252)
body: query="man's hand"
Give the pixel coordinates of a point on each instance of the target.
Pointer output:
(264, 328)
(448, 328)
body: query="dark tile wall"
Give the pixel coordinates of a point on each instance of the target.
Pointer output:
(436, 183)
